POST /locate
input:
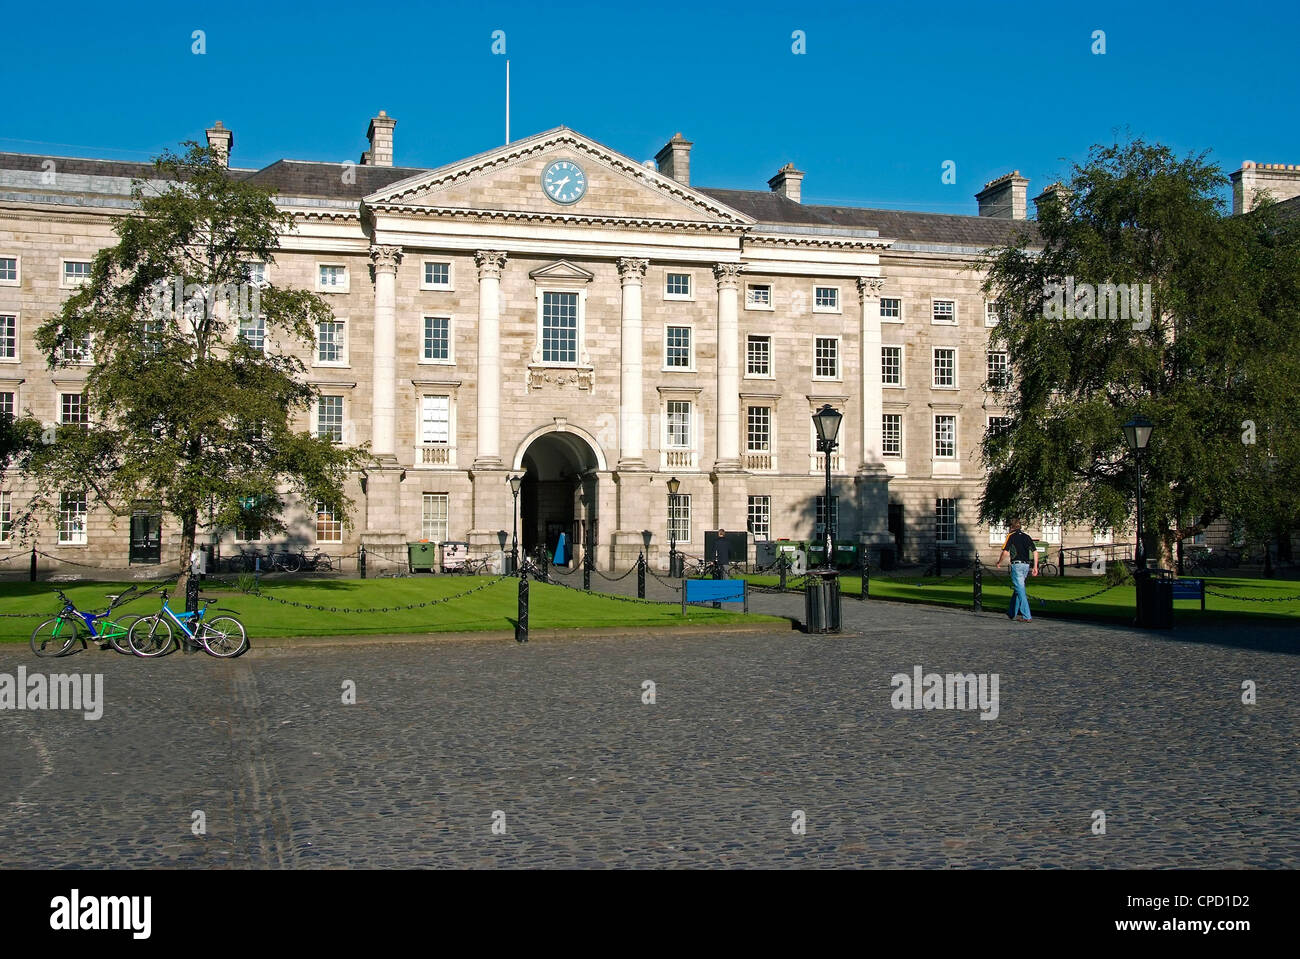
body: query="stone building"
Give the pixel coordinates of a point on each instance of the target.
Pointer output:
(556, 310)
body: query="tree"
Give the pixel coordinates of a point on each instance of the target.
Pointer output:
(1205, 342)
(186, 409)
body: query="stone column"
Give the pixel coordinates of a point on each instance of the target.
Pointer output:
(631, 418)
(868, 292)
(490, 263)
(383, 408)
(728, 399)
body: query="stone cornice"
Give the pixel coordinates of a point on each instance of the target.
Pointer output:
(527, 216)
(819, 242)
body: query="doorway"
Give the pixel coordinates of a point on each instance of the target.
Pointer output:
(559, 495)
(146, 534)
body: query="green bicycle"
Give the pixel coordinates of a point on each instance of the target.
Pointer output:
(57, 636)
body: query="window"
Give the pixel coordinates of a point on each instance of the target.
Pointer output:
(72, 409)
(75, 272)
(328, 527)
(252, 330)
(759, 523)
(945, 312)
(329, 418)
(826, 358)
(826, 299)
(999, 368)
(945, 368)
(945, 436)
(251, 531)
(257, 274)
(8, 271)
(945, 521)
(891, 365)
(435, 419)
(819, 521)
(433, 517)
(560, 328)
(891, 434)
(758, 296)
(679, 517)
(437, 339)
(75, 351)
(678, 287)
(758, 430)
(72, 519)
(332, 278)
(437, 275)
(998, 424)
(6, 517)
(677, 348)
(1103, 536)
(331, 343)
(758, 356)
(891, 309)
(1052, 528)
(7, 403)
(8, 336)
(998, 533)
(679, 424)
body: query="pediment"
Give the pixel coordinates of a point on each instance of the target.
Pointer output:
(508, 181)
(562, 270)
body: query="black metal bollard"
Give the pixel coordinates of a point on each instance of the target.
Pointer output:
(1060, 560)
(521, 623)
(784, 569)
(938, 561)
(866, 581)
(979, 587)
(361, 561)
(192, 593)
(640, 575)
(32, 572)
(543, 562)
(586, 572)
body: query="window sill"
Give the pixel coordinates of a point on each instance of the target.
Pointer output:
(428, 362)
(834, 311)
(678, 298)
(437, 289)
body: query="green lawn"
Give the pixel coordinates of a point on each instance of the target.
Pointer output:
(492, 608)
(1116, 604)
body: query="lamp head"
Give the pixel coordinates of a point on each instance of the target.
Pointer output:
(827, 421)
(674, 485)
(1137, 433)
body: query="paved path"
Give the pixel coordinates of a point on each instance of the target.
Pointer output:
(745, 730)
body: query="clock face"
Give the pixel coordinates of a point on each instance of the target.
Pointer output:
(564, 181)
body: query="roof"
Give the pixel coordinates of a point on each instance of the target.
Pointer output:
(350, 181)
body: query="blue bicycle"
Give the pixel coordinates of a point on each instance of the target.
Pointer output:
(221, 636)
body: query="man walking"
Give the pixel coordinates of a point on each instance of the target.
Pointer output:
(1020, 548)
(721, 555)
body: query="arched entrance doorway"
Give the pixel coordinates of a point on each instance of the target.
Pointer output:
(559, 493)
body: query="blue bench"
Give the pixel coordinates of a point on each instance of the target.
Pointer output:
(715, 591)
(1190, 589)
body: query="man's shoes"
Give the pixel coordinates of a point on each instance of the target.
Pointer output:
(1021, 619)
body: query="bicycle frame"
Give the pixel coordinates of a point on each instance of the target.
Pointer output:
(93, 621)
(180, 618)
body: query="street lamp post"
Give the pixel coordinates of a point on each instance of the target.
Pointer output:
(827, 422)
(515, 483)
(1137, 433)
(674, 485)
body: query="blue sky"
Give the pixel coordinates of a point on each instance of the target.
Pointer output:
(885, 93)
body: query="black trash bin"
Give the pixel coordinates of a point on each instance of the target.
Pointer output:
(822, 601)
(1155, 601)
(886, 557)
(676, 566)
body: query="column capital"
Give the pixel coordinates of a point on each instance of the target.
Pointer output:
(490, 263)
(727, 275)
(869, 286)
(632, 269)
(386, 258)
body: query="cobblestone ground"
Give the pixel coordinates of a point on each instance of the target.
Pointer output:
(746, 729)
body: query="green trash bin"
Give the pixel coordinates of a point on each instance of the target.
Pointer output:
(846, 554)
(421, 557)
(816, 554)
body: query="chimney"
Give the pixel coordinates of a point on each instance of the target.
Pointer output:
(1056, 193)
(675, 159)
(380, 135)
(1004, 197)
(221, 140)
(1281, 180)
(788, 182)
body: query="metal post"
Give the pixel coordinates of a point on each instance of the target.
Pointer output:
(32, 573)
(521, 622)
(361, 560)
(979, 586)
(866, 580)
(1060, 559)
(543, 572)
(784, 565)
(672, 533)
(827, 513)
(192, 593)
(640, 576)
(586, 570)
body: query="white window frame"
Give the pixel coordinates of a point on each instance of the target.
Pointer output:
(1052, 529)
(1103, 537)
(771, 359)
(839, 300)
(451, 339)
(18, 269)
(990, 309)
(890, 319)
(321, 287)
(6, 516)
(956, 516)
(690, 281)
(839, 360)
(690, 367)
(934, 436)
(761, 506)
(934, 301)
(691, 415)
(771, 428)
(333, 518)
(83, 408)
(246, 323)
(902, 366)
(1006, 369)
(343, 416)
(988, 422)
(680, 505)
(426, 284)
(343, 361)
(425, 527)
(819, 510)
(998, 533)
(771, 297)
(77, 538)
(901, 448)
(18, 338)
(580, 337)
(64, 282)
(934, 367)
(13, 394)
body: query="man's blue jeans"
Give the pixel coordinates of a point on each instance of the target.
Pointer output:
(1019, 598)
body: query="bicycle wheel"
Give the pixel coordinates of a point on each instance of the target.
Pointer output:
(150, 636)
(54, 637)
(1047, 569)
(116, 633)
(224, 636)
(291, 562)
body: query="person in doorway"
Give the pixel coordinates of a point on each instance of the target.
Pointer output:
(1023, 554)
(721, 555)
